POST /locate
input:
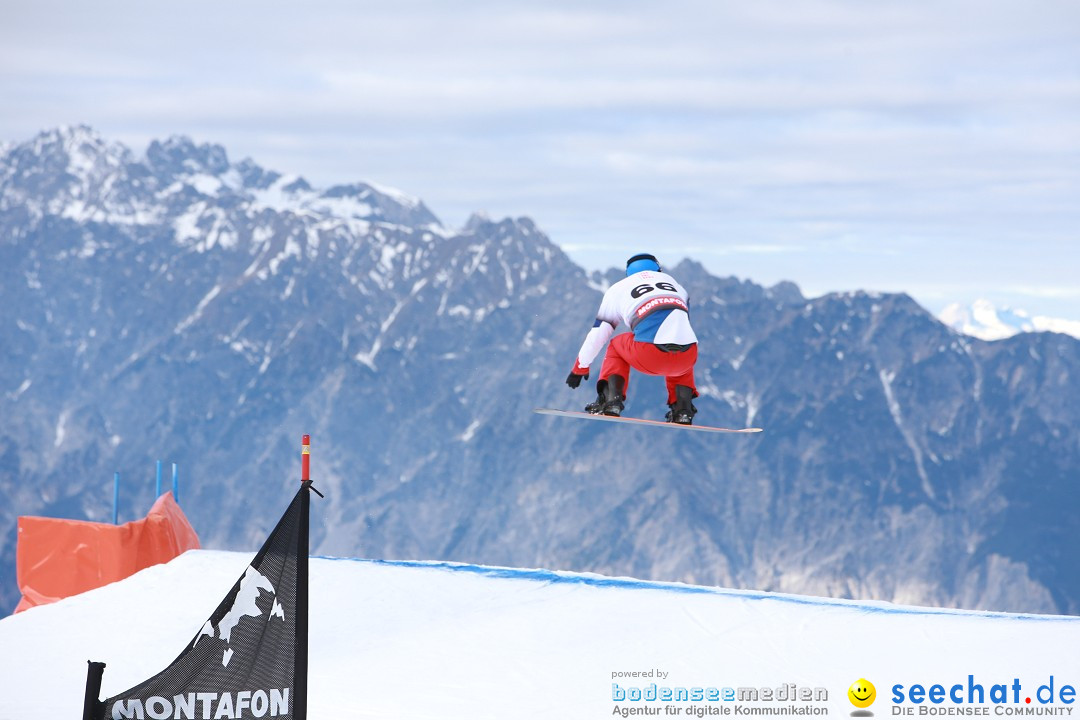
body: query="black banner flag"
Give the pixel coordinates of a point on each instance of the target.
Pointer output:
(249, 660)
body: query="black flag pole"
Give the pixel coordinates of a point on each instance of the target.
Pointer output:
(301, 657)
(94, 671)
(250, 659)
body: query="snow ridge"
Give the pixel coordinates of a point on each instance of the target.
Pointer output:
(984, 320)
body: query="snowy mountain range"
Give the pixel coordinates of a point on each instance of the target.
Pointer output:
(983, 320)
(178, 305)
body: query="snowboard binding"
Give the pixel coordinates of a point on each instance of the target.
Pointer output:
(682, 411)
(609, 397)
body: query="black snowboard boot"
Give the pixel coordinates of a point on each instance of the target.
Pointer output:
(682, 410)
(609, 397)
(597, 406)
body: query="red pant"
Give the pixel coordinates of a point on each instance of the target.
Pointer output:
(624, 352)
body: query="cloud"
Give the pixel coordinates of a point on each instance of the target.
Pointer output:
(842, 131)
(1066, 292)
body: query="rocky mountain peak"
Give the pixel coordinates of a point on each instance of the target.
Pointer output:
(179, 155)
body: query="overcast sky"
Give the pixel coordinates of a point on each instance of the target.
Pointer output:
(931, 147)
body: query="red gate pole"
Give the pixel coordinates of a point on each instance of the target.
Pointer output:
(305, 460)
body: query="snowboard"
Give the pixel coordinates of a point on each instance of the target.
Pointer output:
(640, 421)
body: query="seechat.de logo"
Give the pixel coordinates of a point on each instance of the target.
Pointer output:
(862, 695)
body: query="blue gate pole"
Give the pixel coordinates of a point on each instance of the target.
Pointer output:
(176, 483)
(157, 486)
(116, 499)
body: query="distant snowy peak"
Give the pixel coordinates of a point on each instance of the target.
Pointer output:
(180, 156)
(983, 320)
(89, 178)
(388, 204)
(79, 145)
(60, 157)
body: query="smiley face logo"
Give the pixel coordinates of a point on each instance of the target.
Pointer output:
(862, 693)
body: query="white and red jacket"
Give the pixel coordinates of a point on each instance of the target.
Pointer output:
(652, 304)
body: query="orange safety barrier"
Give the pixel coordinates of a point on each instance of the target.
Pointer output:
(56, 558)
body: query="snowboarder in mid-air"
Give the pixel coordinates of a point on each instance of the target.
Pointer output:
(661, 342)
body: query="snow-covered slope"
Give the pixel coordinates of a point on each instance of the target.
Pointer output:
(415, 640)
(982, 319)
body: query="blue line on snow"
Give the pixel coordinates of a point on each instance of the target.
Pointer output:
(599, 581)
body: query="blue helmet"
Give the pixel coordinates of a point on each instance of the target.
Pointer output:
(640, 262)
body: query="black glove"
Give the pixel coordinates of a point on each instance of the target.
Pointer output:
(573, 379)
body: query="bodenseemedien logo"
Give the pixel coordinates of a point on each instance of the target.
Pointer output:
(862, 694)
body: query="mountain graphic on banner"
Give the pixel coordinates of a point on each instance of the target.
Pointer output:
(252, 585)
